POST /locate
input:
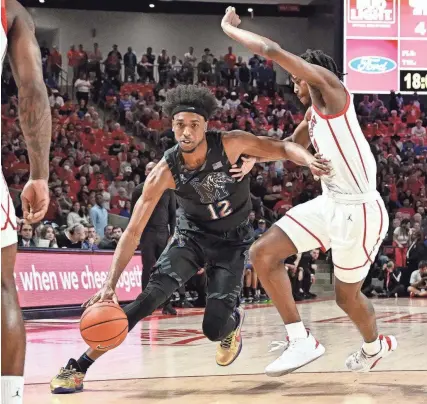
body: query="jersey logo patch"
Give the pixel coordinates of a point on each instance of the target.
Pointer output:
(212, 188)
(215, 166)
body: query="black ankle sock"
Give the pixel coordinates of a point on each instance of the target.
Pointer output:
(84, 363)
(246, 292)
(253, 292)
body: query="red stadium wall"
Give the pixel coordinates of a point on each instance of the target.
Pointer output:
(49, 279)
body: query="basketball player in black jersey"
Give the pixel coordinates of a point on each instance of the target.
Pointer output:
(213, 228)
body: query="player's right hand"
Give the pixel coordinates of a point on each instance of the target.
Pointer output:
(35, 200)
(231, 17)
(105, 294)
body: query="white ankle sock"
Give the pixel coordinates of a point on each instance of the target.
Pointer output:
(372, 348)
(296, 330)
(12, 389)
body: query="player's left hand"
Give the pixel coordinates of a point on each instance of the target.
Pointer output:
(245, 168)
(320, 166)
(231, 17)
(35, 200)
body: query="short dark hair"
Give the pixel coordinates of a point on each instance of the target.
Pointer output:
(422, 264)
(191, 96)
(320, 58)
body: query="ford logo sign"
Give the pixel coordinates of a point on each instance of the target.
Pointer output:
(372, 64)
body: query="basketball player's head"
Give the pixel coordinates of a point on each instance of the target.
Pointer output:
(315, 57)
(190, 108)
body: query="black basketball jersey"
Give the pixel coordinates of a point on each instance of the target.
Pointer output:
(209, 196)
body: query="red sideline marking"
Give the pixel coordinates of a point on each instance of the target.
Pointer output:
(322, 247)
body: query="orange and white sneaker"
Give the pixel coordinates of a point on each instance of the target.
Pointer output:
(230, 347)
(298, 353)
(362, 362)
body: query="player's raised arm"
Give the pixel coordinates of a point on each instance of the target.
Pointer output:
(158, 181)
(316, 76)
(237, 143)
(34, 110)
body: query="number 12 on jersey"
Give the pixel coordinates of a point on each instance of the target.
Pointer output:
(220, 209)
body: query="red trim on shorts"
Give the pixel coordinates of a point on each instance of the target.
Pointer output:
(4, 16)
(8, 219)
(342, 154)
(332, 116)
(357, 147)
(364, 232)
(364, 239)
(322, 247)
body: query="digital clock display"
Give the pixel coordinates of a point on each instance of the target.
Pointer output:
(385, 45)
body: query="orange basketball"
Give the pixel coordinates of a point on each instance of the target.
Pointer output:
(104, 326)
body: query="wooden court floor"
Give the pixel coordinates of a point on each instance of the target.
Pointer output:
(168, 360)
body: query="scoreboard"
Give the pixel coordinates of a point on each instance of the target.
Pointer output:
(385, 46)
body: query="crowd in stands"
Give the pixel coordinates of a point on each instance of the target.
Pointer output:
(106, 130)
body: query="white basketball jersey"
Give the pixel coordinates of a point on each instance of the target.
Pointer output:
(3, 34)
(341, 140)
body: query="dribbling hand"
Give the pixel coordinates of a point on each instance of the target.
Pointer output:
(105, 294)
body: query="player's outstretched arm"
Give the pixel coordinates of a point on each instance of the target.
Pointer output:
(158, 181)
(317, 76)
(237, 143)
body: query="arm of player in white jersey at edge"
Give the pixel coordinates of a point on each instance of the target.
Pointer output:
(158, 181)
(317, 77)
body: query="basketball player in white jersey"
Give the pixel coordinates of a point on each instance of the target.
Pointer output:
(350, 216)
(18, 40)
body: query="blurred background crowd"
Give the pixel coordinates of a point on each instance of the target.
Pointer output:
(108, 125)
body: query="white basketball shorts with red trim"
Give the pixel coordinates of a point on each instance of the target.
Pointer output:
(353, 226)
(8, 233)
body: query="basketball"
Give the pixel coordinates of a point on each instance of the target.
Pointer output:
(104, 326)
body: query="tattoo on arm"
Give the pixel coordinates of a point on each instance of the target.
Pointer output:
(36, 123)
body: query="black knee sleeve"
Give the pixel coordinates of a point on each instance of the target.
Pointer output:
(219, 320)
(158, 290)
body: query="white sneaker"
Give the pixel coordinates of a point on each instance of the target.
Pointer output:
(298, 353)
(361, 362)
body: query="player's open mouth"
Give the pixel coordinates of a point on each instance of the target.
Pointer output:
(186, 141)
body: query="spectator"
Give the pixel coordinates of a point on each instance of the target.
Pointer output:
(113, 63)
(72, 237)
(296, 275)
(147, 62)
(392, 281)
(91, 240)
(111, 244)
(99, 215)
(130, 63)
(418, 130)
(163, 62)
(401, 242)
(418, 282)
(262, 228)
(94, 60)
(47, 237)
(25, 238)
(307, 263)
(55, 63)
(83, 87)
